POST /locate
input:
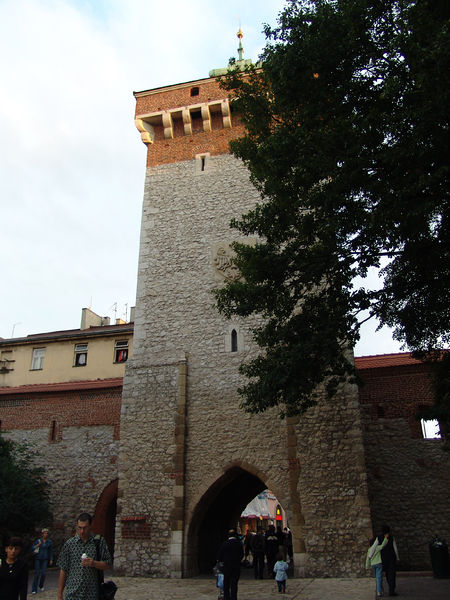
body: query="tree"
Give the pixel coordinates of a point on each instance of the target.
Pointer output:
(347, 140)
(24, 496)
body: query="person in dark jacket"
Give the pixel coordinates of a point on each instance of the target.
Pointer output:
(231, 554)
(288, 542)
(271, 549)
(13, 572)
(389, 558)
(258, 551)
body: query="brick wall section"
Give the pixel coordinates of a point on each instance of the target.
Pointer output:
(170, 97)
(408, 477)
(68, 409)
(182, 147)
(397, 392)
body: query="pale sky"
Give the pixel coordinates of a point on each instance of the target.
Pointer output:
(72, 164)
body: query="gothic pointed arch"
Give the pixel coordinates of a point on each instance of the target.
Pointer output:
(217, 510)
(104, 520)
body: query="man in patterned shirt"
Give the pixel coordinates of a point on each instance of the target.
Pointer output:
(81, 557)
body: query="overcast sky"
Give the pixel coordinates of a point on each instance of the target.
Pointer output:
(72, 164)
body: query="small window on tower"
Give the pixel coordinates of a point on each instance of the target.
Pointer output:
(202, 162)
(81, 351)
(195, 91)
(121, 351)
(234, 341)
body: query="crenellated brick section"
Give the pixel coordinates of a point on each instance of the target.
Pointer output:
(177, 126)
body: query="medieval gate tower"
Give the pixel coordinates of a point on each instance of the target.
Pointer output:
(190, 458)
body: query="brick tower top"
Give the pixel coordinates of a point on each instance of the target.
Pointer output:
(181, 121)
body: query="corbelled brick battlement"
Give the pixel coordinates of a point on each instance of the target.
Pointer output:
(180, 122)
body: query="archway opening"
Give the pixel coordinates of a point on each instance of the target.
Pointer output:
(218, 511)
(104, 521)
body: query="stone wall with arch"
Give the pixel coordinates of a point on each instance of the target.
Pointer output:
(183, 433)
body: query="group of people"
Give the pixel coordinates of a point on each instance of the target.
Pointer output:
(82, 560)
(382, 555)
(84, 557)
(268, 545)
(273, 545)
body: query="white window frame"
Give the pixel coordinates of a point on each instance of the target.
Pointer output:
(80, 350)
(37, 360)
(119, 346)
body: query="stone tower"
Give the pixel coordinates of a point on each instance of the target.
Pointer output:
(190, 459)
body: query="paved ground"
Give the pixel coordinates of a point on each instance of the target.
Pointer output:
(140, 588)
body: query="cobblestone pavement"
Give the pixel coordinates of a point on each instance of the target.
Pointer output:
(140, 588)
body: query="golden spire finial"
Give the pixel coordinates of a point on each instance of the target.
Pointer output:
(240, 35)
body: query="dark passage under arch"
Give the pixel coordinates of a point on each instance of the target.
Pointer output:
(218, 510)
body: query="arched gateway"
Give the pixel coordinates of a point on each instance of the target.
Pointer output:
(190, 459)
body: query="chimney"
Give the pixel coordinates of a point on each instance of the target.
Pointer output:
(90, 319)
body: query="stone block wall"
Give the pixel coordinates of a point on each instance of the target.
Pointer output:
(408, 476)
(186, 447)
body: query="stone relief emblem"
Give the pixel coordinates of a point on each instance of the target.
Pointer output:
(224, 264)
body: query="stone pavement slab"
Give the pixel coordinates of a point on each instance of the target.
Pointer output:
(141, 588)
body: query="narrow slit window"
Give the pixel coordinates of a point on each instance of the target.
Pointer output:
(203, 162)
(53, 431)
(234, 341)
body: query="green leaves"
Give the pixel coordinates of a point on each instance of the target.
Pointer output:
(347, 142)
(24, 497)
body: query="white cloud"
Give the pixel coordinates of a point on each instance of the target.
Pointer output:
(72, 163)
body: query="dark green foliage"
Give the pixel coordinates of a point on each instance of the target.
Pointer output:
(24, 499)
(347, 140)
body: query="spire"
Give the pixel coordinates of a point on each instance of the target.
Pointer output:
(240, 62)
(240, 48)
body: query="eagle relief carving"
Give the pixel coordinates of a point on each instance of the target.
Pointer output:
(223, 261)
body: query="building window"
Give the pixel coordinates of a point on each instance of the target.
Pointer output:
(430, 429)
(195, 91)
(37, 362)
(121, 351)
(81, 351)
(234, 341)
(202, 162)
